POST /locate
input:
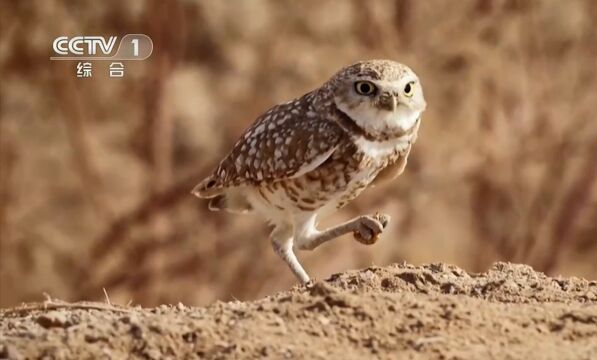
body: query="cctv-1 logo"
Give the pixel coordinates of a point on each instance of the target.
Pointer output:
(84, 45)
(130, 47)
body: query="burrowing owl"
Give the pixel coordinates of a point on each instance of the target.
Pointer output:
(312, 155)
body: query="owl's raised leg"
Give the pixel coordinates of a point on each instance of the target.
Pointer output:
(366, 230)
(281, 239)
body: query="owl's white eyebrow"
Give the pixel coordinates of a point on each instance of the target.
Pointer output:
(366, 78)
(399, 83)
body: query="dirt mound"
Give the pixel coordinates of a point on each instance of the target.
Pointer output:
(400, 311)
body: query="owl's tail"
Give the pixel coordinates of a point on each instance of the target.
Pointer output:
(233, 201)
(227, 199)
(207, 188)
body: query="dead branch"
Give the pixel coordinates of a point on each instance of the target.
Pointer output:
(75, 118)
(164, 19)
(57, 304)
(574, 201)
(154, 204)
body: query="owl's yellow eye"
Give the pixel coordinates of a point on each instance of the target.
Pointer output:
(365, 87)
(409, 89)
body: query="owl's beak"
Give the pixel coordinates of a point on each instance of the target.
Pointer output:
(388, 101)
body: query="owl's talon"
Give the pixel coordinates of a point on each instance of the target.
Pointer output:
(370, 227)
(384, 219)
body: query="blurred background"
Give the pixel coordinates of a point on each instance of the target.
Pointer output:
(96, 173)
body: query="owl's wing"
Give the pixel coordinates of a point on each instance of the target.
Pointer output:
(391, 171)
(287, 141)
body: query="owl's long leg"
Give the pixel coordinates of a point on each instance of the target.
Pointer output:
(365, 228)
(281, 238)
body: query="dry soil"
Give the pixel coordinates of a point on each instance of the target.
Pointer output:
(401, 311)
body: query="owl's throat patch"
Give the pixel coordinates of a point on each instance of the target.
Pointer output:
(350, 125)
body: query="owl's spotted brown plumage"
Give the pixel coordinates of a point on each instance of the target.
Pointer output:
(312, 155)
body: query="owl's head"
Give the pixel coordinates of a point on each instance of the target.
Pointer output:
(380, 96)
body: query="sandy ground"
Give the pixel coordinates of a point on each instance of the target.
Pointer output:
(398, 312)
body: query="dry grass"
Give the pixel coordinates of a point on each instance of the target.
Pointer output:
(96, 173)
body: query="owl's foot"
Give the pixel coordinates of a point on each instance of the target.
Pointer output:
(370, 228)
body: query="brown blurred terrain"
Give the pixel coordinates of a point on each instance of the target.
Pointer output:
(96, 173)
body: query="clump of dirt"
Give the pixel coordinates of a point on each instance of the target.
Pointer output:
(400, 311)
